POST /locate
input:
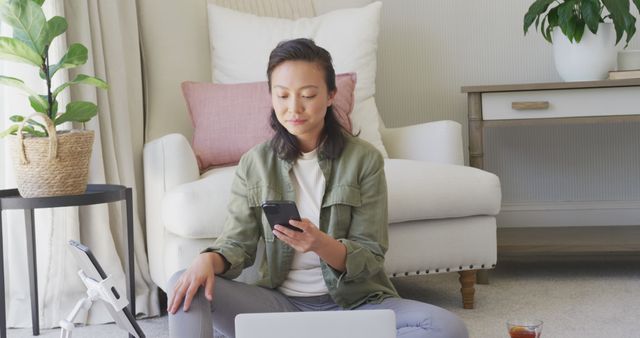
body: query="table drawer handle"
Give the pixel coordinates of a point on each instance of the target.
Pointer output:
(530, 105)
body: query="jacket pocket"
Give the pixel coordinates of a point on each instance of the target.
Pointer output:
(341, 200)
(258, 194)
(343, 194)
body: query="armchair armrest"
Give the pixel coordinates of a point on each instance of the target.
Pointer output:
(168, 161)
(439, 142)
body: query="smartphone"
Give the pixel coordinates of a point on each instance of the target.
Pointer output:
(280, 212)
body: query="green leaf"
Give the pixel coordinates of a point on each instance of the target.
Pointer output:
(55, 26)
(39, 2)
(579, 30)
(54, 107)
(39, 103)
(20, 118)
(536, 9)
(31, 130)
(9, 131)
(36, 104)
(36, 124)
(553, 17)
(82, 79)
(567, 18)
(79, 111)
(28, 22)
(552, 20)
(630, 22)
(16, 118)
(17, 83)
(28, 129)
(544, 29)
(75, 56)
(619, 10)
(591, 14)
(17, 51)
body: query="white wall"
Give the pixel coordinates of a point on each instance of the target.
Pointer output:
(437, 46)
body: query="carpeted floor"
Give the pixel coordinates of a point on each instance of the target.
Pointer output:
(575, 296)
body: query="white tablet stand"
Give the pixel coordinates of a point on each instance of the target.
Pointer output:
(95, 291)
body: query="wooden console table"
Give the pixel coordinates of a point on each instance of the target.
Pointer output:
(608, 101)
(548, 103)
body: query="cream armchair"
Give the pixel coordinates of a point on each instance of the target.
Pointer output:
(441, 213)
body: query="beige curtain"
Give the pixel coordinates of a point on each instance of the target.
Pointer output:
(109, 30)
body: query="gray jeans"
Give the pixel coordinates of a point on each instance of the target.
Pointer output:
(413, 318)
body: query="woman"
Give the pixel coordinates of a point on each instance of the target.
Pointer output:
(338, 184)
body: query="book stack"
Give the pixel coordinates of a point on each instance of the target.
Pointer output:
(624, 74)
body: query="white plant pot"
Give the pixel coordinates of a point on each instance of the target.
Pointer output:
(589, 60)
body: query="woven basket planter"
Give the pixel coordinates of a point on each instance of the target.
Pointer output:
(52, 166)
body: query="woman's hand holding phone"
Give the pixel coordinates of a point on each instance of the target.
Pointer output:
(312, 239)
(309, 239)
(302, 235)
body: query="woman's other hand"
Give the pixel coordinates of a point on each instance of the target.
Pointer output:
(200, 273)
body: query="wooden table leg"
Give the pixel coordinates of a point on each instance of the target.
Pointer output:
(476, 153)
(476, 149)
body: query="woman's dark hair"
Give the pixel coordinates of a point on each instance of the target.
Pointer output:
(332, 138)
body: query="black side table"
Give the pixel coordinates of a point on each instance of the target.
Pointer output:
(95, 194)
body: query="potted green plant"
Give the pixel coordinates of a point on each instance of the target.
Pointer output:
(583, 33)
(47, 162)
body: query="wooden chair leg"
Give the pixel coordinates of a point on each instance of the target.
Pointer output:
(467, 281)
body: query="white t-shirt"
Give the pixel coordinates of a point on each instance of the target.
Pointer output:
(305, 277)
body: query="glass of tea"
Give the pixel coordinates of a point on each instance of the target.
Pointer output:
(524, 328)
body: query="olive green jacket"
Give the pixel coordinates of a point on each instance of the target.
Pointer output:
(354, 211)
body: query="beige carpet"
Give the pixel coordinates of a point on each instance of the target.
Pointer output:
(574, 296)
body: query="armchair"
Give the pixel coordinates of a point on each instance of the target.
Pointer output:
(441, 213)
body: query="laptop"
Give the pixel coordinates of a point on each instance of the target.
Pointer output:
(317, 324)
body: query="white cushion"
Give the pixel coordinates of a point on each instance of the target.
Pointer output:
(417, 191)
(198, 209)
(420, 190)
(437, 141)
(241, 44)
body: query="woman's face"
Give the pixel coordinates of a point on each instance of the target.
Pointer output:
(300, 99)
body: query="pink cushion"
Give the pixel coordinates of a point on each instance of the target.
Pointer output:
(229, 119)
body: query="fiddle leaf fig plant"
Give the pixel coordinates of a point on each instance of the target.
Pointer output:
(572, 16)
(32, 37)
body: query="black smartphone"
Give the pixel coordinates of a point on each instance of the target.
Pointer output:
(280, 212)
